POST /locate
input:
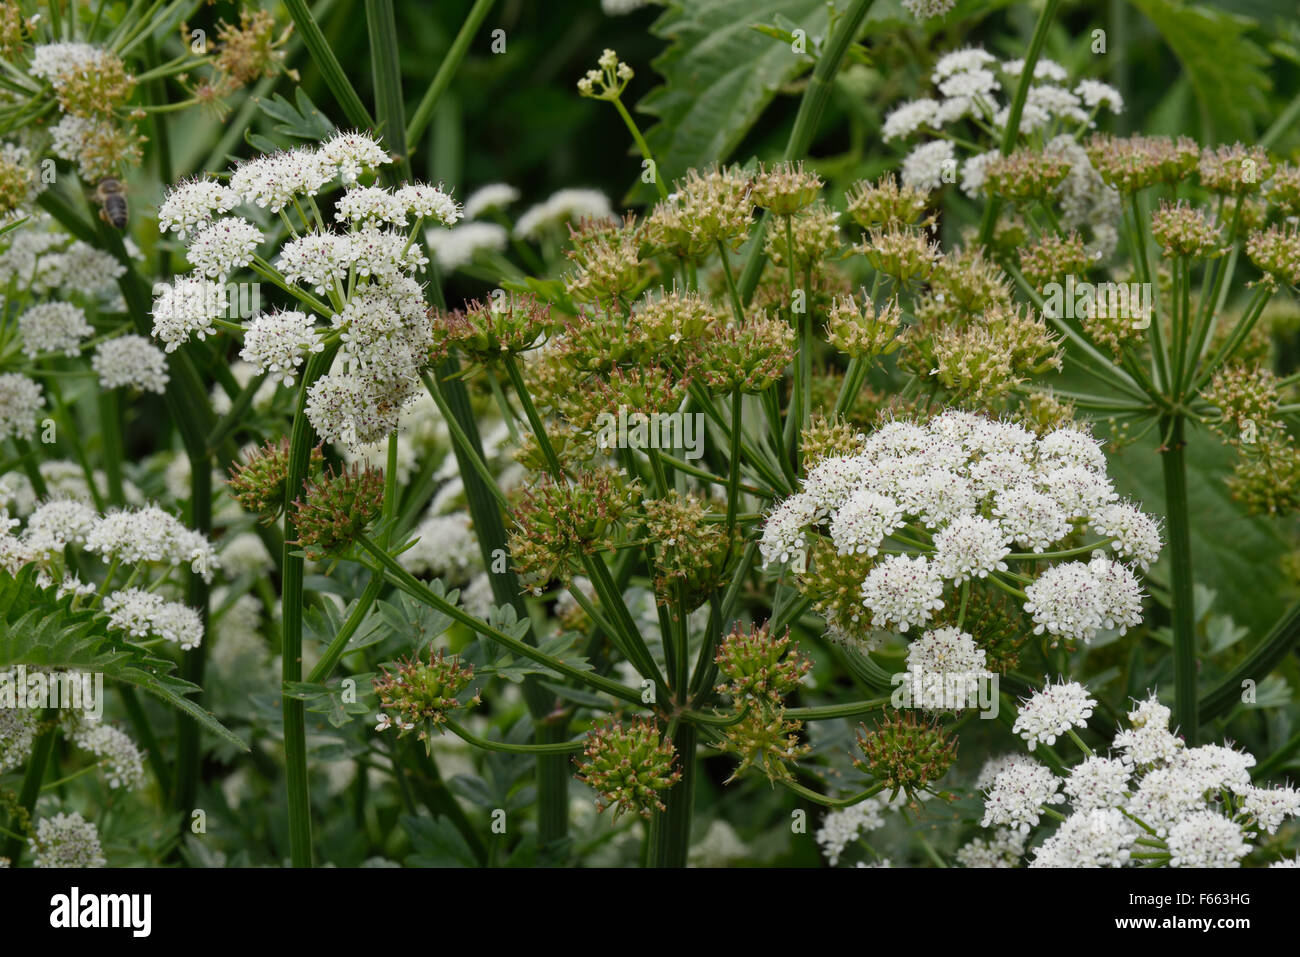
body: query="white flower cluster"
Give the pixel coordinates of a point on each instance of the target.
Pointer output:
(967, 86)
(1003, 849)
(148, 534)
(277, 342)
(946, 501)
(1155, 801)
(121, 760)
(66, 840)
(53, 327)
(58, 61)
(142, 614)
(18, 727)
(365, 269)
(21, 401)
(566, 205)
(446, 548)
(1054, 711)
(841, 827)
(133, 361)
(457, 247)
(42, 259)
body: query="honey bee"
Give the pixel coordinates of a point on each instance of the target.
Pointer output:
(111, 196)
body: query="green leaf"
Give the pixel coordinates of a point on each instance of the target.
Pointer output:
(436, 843)
(304, 121)
(322, 55)
(1226, 67)
(720, 74)
(560, 646)
(40, 629)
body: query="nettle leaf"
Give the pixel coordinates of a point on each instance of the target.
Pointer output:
(720, 74)
(435, 842)
(727, 59)
(1226, 67)
(39, 629)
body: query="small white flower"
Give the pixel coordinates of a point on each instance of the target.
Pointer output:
(902, 591)
(21, 401)
(563, 206)
(429, 203)
(454, 248)
(1098, 783)
(1018, 794)
(906, 119)
(66, 840)
(350, 154)
(370, 205)
(277, 342)
(1052, 712)
(491, 197)
(130, 360)
(970, 547)
(1206, 839)
(188, 307)
(223, 246)
(193, 203)
(1066, 601)
(1099, 837)
(929, 165)
(1136, 534)
(961, 61)
(1094, 94)
(861, 523)
(383, 721)
(53, 327)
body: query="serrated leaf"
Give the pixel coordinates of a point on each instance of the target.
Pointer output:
(436, 843)
(720, 74)
(40, 629)
(1225, 66)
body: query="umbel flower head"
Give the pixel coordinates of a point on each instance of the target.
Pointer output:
(486, 330)
(421, 694)
(556, 522)
(905, 753)
(765, 739)
(257, 483)
(336, 508)
(961, 495)
(759, 666)
(716, 206)
(628, 767)
(1189, 807)
(785, 188)
(608, 82)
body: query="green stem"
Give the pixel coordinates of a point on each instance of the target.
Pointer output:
(446, 70)
(291, 606)
(811, 106)
(194, 663)
(1012, 131)
(417, 589)
(486, 744)
(670, 830)
(1178, 519)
